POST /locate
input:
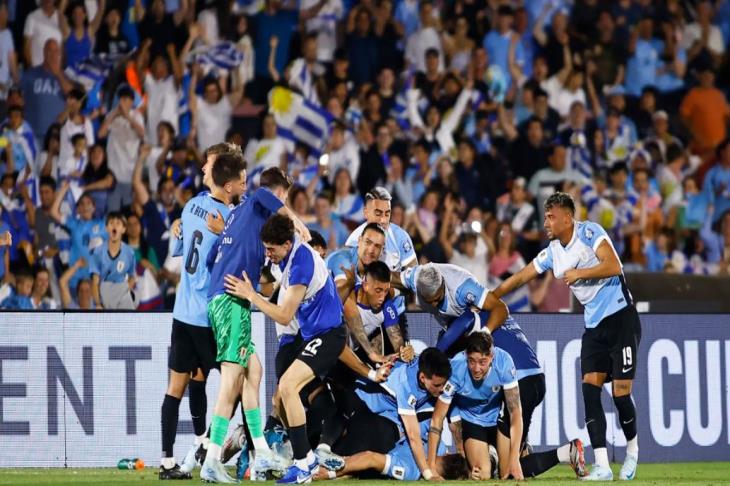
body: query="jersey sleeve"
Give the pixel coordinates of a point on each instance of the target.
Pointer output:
(507, 372)
(95, 262)
(267, 199)
(408, 278)
(543, 261)
(302, 267)
(592, 235)
(471, 292)
(390, 313)
(453, 385)
(405, 247)
(340, 258)
(405, 399)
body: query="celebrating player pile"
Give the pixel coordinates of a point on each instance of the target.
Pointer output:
(482, 378)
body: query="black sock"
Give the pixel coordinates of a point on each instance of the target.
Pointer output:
(198, 405)
(626, 415)
(170, 410)
(539, 462)
(272, 422)
(332, 423)
(299, 441)
(595, 418)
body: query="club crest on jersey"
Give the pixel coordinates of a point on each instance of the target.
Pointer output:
(589, 234)
(470, 297)
(407, 246)
(120, 266)
(495, 388)
(412, 401)
(542, 256)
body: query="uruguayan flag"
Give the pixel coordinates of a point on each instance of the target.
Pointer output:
(223, 55)
(300, 120)
(399, 111)
(92, 71)
(300, 77)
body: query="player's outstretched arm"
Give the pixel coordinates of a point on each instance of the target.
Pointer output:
(512, 401)
(434, 432)
(516, 281)
(283, 314)
(498, 311)
(413, 432)
(350, 359)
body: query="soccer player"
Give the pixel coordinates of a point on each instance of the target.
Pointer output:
(307, 291)
(386, 412)
(112, 268)
(582, 255)
(398, 253)
(238, 250)
(370, 308)
(192, 347)
(480, 375)
(400, 464)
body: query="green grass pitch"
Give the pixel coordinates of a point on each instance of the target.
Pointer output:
(676, 474)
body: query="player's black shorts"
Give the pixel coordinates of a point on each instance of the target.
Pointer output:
(289, 347)
(191, 347)
(366, 431)
(322, 352)
(532, 393)
(470, 430)
(612, 346)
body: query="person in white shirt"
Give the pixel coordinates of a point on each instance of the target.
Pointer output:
(72, 123)
(344, 152)
(212, 112)
(40, 26)
(463, 246)
(320, 18)
(161, 88)
(423, 39)
(545, 181)
(303, 71)
(124, 129)
(702, 36)
(268, 151)
(9, 73)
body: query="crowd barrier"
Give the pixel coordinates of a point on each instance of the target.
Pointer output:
(85, 389)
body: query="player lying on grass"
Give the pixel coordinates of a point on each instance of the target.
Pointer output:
(400, 464)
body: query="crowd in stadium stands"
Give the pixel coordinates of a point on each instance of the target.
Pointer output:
(469, 112)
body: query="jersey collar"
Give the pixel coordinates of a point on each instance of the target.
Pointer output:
(572, 238)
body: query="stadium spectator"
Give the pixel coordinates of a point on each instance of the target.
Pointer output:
(79, 36)
(327, 223)
(41, 26)
(9, 72)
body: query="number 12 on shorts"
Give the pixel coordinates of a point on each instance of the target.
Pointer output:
(312, 346)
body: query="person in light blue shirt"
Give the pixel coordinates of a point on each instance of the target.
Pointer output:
(583, 256)
(642, 67)
(387, 411)
(193, 346)
(19, 299)
(112, 268)
(716, 184)
(497, 43)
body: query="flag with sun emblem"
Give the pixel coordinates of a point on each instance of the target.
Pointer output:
(300, 120)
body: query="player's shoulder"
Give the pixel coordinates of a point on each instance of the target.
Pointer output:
(352, 239)
(503, 360)
(402, 238)
(589, 232)
(341, 256)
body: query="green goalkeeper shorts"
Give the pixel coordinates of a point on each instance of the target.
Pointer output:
(230, 319)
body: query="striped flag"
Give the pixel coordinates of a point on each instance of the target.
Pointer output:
(92, 71)
(300, 120)
(223, 55)
(399, 111)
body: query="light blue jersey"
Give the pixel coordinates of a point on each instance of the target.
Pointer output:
(191, 301)
(321, 308)
(600, 297)
(400, 463)
(479, 402)
(116, 269)
(400, 394)
(463, 291)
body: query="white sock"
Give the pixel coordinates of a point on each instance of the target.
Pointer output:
(167, 462)
(564, 453)
(601, 456)
(200, 439)
(214, 452)
(259, 443)
(632, 447)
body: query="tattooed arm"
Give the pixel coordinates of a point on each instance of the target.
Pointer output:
(395, 337)
(512, 401)
(354, 324)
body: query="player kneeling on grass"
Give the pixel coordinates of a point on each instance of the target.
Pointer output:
(112, 268)
(400, 464)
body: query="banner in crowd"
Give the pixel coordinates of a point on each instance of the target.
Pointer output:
(84, 390)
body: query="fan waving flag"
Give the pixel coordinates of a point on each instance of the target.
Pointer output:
(224, 55)
(300, 120)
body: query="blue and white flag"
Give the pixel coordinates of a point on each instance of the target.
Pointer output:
(300, 120)
(223, 55)
(92, 71)
(399, 111)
